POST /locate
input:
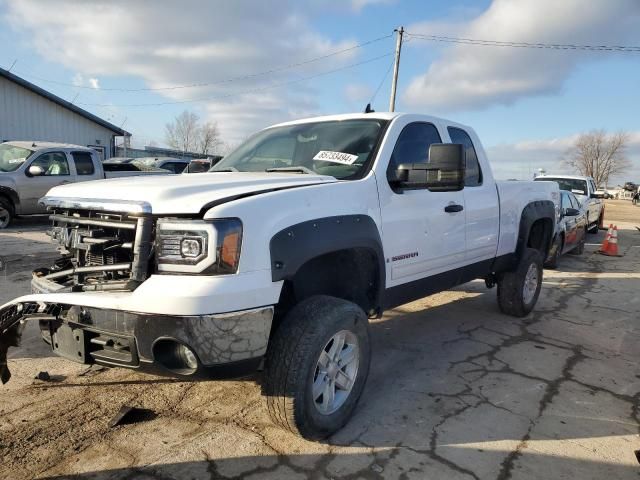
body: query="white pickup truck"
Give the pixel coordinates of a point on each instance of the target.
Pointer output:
(28, 170)
(584, 188)
(276, 258)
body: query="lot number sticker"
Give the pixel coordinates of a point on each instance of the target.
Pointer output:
(336, 157)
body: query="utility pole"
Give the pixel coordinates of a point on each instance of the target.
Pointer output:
(396, 67)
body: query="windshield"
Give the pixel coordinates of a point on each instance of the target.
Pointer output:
(12, 157)
(341, 149)
(569, 184)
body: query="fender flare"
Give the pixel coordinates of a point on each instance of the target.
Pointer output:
(532, 212)
(294, 246)
(11, 194)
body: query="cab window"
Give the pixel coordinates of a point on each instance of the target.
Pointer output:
(566, 202)
(413, 145)
(84, 163)
(53, 164)
(473, 174)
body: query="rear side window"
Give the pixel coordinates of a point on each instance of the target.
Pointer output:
(84, 163)
(473, 175)
(413, 145)
(175, 167)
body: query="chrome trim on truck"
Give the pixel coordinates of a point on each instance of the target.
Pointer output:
(126, 206)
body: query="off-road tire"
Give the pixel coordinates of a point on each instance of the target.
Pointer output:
(7, 206)
(511, 285)
(292, 358)
(552, 262)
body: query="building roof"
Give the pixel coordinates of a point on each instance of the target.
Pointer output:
(37, 145)
(63, 103)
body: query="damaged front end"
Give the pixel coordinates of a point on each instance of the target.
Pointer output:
(104, 246)
(12, 318)
(101, 249)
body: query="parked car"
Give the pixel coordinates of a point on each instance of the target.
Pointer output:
(28, 170)
(571, 230)
(174, 165)
(584, 188)
(603, 192)
(278, 257)
(199, 165)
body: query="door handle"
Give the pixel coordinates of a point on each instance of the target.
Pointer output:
(453, 208)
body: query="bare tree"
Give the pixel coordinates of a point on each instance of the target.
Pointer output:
(187, 134)
(182, 134)
(599, 155)
(208, 138)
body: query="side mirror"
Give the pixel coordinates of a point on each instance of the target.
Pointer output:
(35, 171)
(597, 195)
(571, 212)
(443, 173)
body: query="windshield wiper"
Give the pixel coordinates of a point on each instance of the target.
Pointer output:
(299, 169)
(228, 169)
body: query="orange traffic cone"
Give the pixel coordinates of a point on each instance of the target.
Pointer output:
(612, 247)
(607, 237)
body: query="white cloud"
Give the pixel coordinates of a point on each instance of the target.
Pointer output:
(522, 159)
(80, 81)
(178, 43)
(358, 5)
(468, 76)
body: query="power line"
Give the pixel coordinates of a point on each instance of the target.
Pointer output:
(375, 93)
(217, 82)
(551, 46)
(255, 90)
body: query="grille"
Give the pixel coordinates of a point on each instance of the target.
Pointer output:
(100, 250)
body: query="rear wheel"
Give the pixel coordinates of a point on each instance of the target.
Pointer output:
(6, 212)
(518, 290)
(317, 365)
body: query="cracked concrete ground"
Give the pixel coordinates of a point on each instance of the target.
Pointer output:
(456, 391)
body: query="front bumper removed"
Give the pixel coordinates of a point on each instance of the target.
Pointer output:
(218, 345)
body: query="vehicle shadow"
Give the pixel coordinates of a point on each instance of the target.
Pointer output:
(395, 463)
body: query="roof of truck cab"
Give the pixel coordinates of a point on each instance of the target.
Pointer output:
(568, 177)
(374, 115)
(36, 145)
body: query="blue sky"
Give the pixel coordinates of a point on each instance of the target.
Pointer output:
(526, 104)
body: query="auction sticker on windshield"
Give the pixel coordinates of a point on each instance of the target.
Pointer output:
(336, 157)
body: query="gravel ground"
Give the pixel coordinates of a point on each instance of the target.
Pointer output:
(456, 391)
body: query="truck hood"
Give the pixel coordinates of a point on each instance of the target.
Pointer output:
(186, 193)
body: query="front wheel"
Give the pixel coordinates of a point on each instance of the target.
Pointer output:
(554, 253)
(518, 290)
(317, 365)
(6, 213)
(593, 228)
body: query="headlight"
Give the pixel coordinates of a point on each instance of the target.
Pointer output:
(198, 246)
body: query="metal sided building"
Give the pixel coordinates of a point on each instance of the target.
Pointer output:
(28, 112)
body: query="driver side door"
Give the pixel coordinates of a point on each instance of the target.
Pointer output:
(422, 234)
(56, 171)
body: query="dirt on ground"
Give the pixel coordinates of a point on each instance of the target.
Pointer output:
(456, 390)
